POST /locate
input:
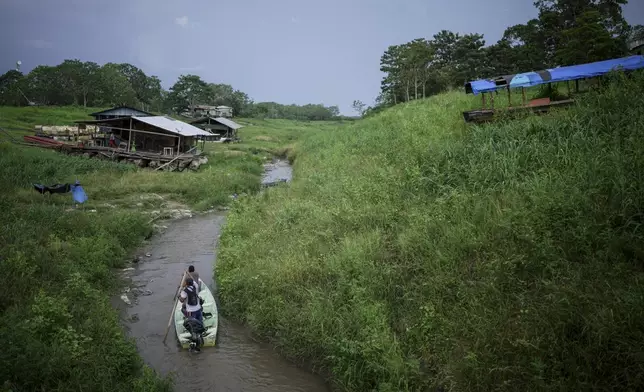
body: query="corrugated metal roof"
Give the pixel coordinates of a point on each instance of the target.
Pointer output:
(228, 123)
(122, 110)
(174, 126)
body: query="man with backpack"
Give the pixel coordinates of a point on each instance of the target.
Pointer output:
(190, 298)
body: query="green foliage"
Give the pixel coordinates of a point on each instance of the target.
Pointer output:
(58, 329)
(412, 251)
(566, 32)
(74, 82)
(25, 118)
(588, 41)
(309, 112)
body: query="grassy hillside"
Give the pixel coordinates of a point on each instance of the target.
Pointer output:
(57, 328)
(27, 117)
(413, 251)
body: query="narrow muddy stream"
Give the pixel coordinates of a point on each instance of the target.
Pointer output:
(237, 363)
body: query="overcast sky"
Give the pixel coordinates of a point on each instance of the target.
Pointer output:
(288, 51)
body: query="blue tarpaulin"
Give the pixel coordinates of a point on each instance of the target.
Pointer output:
(78, 193)
(526, 79)
(551, 75)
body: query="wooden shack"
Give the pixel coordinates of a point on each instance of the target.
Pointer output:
(156, 134)
(219, 127)
(146, 141)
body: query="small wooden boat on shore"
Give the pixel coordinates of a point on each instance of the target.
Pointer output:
(210, 320)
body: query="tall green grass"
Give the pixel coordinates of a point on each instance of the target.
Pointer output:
(58, 331)
(26, 118)
(273, 137)
(413, 251)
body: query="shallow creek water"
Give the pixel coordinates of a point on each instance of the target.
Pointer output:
(237, 362)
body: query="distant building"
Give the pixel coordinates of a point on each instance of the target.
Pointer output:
(224, 111)
(212, 111)
(219, 127)
(118, 112)
(636, 47)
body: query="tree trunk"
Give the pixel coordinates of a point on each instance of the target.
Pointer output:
(424, 86)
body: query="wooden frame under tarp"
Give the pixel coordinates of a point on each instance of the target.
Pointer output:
(538, 105)
(565, 74)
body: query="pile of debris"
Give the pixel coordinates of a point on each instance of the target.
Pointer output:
(66, 133)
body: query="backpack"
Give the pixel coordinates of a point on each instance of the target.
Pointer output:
(193, 297)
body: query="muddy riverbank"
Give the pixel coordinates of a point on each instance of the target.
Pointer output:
(237, 363)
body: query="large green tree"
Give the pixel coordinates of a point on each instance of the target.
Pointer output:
(115, 88)
(587, 41)
(10, 92)
(188, 91)
(564, 32)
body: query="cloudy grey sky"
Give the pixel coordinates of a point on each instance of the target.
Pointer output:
(289, 51)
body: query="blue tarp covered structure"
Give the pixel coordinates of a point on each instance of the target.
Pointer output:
(561, 74)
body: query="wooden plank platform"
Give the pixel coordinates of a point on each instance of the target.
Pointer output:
(141, 159)
(485, 115)
(126, 154)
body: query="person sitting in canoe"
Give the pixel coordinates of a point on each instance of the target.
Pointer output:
(189, 296)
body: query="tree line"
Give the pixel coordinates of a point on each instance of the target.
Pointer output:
(85, 83)
(565, 32)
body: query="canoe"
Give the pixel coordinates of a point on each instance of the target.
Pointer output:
(210, 322)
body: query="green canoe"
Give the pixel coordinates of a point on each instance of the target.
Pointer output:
(210, 319)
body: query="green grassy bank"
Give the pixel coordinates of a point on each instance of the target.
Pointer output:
(26, 118)
(413, 251)
(58, 331)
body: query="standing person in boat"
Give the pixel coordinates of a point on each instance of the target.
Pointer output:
(194, 275)
(190, 298)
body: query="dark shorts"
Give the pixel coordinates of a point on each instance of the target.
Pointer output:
(197, 314)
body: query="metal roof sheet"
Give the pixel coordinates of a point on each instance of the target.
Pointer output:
(228, 123)
(122, 109)
(173, 126)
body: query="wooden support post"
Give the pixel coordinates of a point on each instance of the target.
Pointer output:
(492, 101)
(129, 138)
(509, 98)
